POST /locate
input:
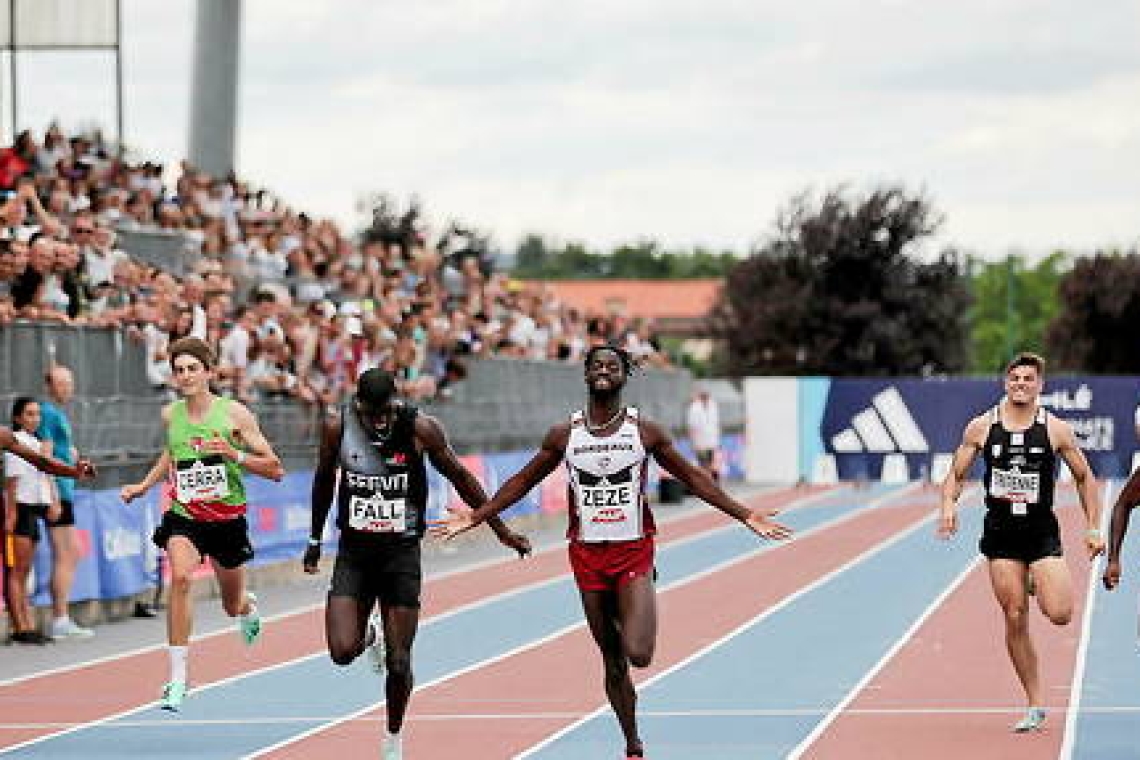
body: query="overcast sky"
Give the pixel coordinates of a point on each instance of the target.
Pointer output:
(687, 122)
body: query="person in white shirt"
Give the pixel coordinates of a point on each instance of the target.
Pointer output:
(29, 495)
(703, 423)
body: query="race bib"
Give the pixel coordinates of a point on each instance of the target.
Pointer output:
(606, 505)
(1018, 488)
(377, 514)
(198, 480)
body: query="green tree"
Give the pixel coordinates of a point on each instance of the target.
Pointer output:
(1013, 305)
(1095, 329)
(837, 291)
(537, 258)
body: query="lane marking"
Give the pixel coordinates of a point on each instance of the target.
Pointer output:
(225, 627)
(818, 582)
(761, 548)
(790, 712)
(1068, 744)
(484, 601)
(855, 690)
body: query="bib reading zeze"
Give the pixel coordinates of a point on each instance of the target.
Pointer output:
(606, 477)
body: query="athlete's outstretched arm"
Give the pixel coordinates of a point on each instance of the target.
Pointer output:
(660, 445)
(42, 462)
(433, 440)
(517, 486)
(973, 439)
(324, 487)
(158, 471)
(1126, 501)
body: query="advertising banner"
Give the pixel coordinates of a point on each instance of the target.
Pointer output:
(863, 421)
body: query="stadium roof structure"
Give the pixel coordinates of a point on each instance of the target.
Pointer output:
(678, 307)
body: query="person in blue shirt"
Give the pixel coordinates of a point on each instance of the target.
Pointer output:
(55, 427)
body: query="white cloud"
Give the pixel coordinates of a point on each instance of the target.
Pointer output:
(687, 121)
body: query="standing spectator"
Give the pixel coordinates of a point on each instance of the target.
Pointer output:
(17, 160)
(194, 296)
(29, 495)
(703, 423)
(55, 429)
(13, 261)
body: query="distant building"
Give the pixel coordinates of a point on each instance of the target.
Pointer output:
(677, 308)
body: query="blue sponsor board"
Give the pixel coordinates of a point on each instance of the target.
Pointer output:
(862, 421)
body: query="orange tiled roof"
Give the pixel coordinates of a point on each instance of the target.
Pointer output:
(651, 299)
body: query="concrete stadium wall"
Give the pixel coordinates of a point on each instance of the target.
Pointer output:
(821, 429)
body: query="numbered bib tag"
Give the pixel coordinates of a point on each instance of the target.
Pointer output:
(198, 480)
(377, 514)
(606, 505)
(1020, 489)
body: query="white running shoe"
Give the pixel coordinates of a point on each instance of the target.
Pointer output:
(1033, 720)
(69, 629)
(376, 653)
(393, 748)
(249, 626)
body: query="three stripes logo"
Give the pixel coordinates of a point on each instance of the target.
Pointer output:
(884, 427)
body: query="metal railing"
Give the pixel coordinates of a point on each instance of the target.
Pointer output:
(503, 405)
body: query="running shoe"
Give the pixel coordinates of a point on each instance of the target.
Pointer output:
(30, 637)
(376, 653)
(1033, 720)
(250, 625)
(172, 695)
(393, 747)
(69, 629)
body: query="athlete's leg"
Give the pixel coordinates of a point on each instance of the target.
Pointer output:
(637, 616)
(1007, 577)
(400, 626)
(183, 558)
(231, 581)
(63, 559)
(601, 608)
(1054, 589)
(346, 619)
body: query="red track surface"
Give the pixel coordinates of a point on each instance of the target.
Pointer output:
(563, 676)
(104, 689)
(957, 661)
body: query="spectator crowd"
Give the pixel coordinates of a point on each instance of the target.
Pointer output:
(294, 306)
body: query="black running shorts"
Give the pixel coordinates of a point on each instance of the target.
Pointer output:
(389, 571)
(66, 515)
(28, 520)
(227, 541)
(1021, 540)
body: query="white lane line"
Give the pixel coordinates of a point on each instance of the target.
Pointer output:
(226, 627)
(848, 515)
(775, 712)
(855, 690)
(818, 582)
(1077, 687)
(485, 601)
